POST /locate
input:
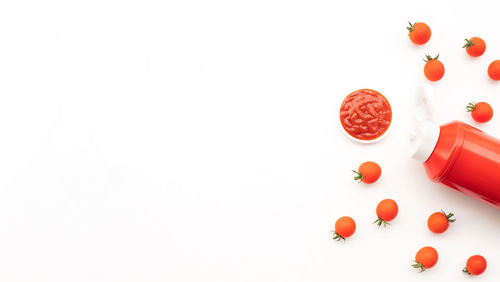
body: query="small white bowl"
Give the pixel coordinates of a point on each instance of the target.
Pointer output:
(366, 141)
(371, 140)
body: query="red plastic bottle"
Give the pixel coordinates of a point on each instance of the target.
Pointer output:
(456, 154)
(468, 160)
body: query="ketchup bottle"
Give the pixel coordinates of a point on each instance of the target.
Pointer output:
(456, 154)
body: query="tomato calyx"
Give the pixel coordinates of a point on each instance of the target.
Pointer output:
(449, 216)
(418, 265)
(470, 107)
(468, 44)
(337, 237)
(380, 221)
(358, 177)
(411, 27)
(465, 270)
(430, 58)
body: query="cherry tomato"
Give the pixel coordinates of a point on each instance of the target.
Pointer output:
(480, 112)
(425, 258)
(475, 265)
(419, 33)
(438, 222)
(344, 228)
(387, 210)
(433, 69)
(475, 46)
(494, 70)
(368, 172)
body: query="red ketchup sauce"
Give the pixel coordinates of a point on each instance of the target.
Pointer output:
(365, 114)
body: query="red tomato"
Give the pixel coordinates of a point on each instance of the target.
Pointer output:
(475, 265)
(475, 46)
(494, 70)
(438, 222)
(344, 227)
(368, 172)
(433, 69)
(480, 112)
(419, 33)
(425, 258)
(387, 210)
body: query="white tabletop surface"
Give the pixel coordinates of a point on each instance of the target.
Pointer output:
(199, 140)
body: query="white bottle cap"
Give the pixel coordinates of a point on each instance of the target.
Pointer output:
(424, 133)
(423, 140)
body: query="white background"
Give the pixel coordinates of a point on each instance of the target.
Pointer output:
(199, 140)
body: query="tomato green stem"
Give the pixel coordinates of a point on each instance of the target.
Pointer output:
(449, 216)
(337, 237)
(380, 221)
(418, 265)
(466, 270)
(468, 44)
(429, 58)
(411, 27)
(358, 176)
(470, 107)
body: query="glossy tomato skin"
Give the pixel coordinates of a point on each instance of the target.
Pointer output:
(482, 112)
(434, 70)
(494, 70)
(476, 265)
(387, 210)
(475, 46)
(427, 257)
(419, 33)
(438, 223)
(345, 226)
(370, 171)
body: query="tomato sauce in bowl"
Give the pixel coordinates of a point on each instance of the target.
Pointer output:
(365, 115)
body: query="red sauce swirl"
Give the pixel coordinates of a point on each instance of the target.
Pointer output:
(365, 114)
